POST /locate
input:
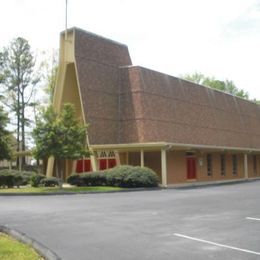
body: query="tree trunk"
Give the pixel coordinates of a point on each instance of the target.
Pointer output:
(18, 131)
(23, 128)
(59, 171)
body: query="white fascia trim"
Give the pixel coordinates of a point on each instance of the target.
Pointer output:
(171, 146)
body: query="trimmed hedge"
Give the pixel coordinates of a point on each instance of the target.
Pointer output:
(36, 179)
(26, 176)
(17, 178)
(132, 177)
(50, 182)
(88, 179)
(121, 176)
(74, 179)
(10, 178)
(93, 179)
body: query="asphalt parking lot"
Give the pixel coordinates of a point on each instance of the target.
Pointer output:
(221, 222)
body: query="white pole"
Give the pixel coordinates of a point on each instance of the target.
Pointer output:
(245, 166)
(66, 18)
(164, 167)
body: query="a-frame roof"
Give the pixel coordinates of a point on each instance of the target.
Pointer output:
(130, 104)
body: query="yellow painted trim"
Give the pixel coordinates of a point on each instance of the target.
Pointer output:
(164, 167)
(142, 158)
(171, 146)
(245, 166)
(78, 84)
(50, 165)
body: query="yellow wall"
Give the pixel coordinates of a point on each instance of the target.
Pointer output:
(70, 91)
(152, 160)
(177, 169)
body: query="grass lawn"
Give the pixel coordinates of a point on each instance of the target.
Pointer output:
(58, 190)
(11, 249)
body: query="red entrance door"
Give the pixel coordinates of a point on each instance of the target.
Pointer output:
(83, 166)
(191, 168)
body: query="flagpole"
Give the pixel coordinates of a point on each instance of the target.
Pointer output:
(66, 19)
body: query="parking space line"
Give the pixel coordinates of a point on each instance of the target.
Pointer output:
(217, 244)
(257, 219)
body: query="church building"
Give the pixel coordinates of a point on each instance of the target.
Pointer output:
(185, 132)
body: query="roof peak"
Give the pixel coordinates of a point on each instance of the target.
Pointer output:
(74, 28)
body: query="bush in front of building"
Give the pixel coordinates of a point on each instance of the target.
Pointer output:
(35, 179)
(74, 179)
(94, 179)
(132, 177)
(10, 178)
(88, 179)
(26, 175)
(122, 176)
(116, 176)
(141, 177)
(50, 182)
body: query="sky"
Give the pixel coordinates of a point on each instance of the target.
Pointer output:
(219, 38)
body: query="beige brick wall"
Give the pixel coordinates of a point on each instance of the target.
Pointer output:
(177, 169)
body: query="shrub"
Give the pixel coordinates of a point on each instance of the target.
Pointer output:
(50, 182)
(116, 176)
(10, 178)
(18, 180)
(74, 179)
(6, 180)
(36, 179)
(121, 176)
(26, 176)
(93, 179)
(141, 177)
(132, 177)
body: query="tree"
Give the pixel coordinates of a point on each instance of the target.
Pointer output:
(17, 75)
(61, 135)
(49, 68)
(5, 137)
(227, 86)
(256, 101)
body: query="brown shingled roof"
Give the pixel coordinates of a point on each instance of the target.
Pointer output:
(131, 104)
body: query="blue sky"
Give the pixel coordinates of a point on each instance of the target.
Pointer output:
(218, 38)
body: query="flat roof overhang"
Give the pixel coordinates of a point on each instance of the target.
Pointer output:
(153, 146)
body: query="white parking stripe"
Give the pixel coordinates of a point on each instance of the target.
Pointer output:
(217, 244)
(257, 219)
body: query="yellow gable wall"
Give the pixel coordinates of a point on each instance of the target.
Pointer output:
(71, 90)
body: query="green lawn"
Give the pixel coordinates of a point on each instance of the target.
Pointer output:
(11, 249)
(58, 190)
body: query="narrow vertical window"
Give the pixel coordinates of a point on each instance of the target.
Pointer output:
(254, 165)
(234, 164)
(209, 164)
(222, 165)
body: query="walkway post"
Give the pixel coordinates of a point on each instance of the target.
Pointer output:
(142, 158)
(245, 166)
(164, 167)
(93, 159)
(49, 172)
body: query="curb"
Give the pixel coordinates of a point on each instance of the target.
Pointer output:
(78, 193)
(212, 184)
(177, 187)
(22, 237)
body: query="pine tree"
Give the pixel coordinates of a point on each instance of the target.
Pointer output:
(5, 137)
(17, 76)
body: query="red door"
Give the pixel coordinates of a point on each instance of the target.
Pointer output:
(83, 166)
(191, 168)
(102, 164)
(111, 163)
